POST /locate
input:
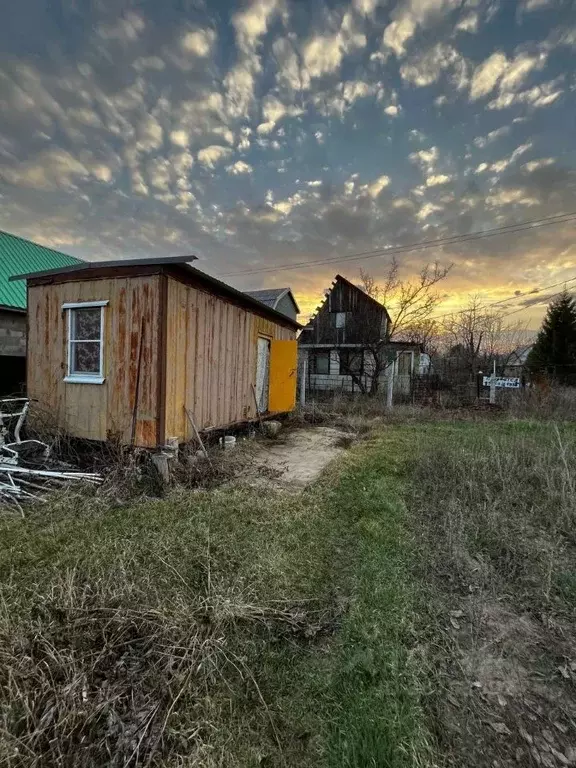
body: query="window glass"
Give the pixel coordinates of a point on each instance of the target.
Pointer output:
(321, 362)
(85, 341)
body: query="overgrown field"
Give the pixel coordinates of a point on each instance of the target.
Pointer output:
(415, 607)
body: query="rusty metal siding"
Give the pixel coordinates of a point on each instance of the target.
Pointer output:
(98, 411)
(211, 359)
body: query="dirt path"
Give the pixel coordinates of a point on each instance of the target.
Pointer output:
(297, 457)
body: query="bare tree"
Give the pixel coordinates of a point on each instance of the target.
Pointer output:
(410, 303)
(479, 335)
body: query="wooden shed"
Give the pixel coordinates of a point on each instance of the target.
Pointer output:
(130, 349)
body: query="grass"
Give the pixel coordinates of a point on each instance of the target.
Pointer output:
(213, 628)
(415, 607)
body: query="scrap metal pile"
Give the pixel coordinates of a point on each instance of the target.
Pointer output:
(27, 469)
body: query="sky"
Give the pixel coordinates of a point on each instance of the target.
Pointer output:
(262, 134)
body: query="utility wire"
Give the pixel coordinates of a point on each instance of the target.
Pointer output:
(559, 218)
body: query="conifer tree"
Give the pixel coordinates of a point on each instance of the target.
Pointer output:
(554, 353)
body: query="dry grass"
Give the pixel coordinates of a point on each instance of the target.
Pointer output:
(495, 513)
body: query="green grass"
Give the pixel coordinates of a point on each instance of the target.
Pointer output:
(221, 628)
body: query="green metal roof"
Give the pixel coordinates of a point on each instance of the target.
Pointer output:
(19, 256)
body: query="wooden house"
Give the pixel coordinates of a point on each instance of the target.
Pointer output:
(340, 340)
(137, 350)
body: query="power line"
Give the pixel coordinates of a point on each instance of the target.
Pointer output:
(560, 218)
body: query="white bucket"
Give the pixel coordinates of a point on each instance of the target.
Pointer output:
(227, 442)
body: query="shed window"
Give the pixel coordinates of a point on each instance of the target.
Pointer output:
(85, 342)
(320, 362)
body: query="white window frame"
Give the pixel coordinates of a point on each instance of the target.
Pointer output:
(84, 378)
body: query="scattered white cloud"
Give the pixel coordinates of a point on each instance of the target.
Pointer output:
(426, 158)
(437, 179)
(510, 74)
(427, 210)
(149, 62)
(536, 5)
(426, 68)
(238, 168)
(510, 196)
(148, 134)
(199, 42)
(411, 14)
(539, 96)
(397, 34)
(180, 138)
(239, 84)
(536, 165)
(468, 23)
(487, 74)
(481, 168)
(211, 155)
(54, 169)
(392, 110)
(314, 183)
(252, 22)
(483, 141)
(365, 7)
(377, 186)
(322, 54)
(273, 110)
(126, 29)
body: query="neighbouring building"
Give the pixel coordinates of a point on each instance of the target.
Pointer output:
(280, 299)
(516, 363)
(16, 256)
(336, 340)
(142, 350)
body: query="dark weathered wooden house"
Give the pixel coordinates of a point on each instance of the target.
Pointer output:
(342, 340)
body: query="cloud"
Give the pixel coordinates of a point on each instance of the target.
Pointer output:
(144, 63)
(54, 169)
(397, 34)
(437, 179)
(468, 23)
(198, 42)
(239, 84)
(426, 158)
(487, 74)
(410, 15)
(510, 196)
(536, 5)
(238, 168)
(539, 96)
(365, 7)
(251, 23)
(180, 138)
(273, 110)
(211, 155)
(426, 68)
(509, 73)
(483, 141)
(126, 29)
(427, 210)
(536, 165)
(322, 54)
(149, 134)
(377, 186)
(392, 110)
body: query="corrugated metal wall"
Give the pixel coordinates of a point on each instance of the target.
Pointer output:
(98, 411)
(211, 359)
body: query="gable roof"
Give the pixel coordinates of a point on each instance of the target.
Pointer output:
(272, 296)
(18, 255)
(178, 267)
(340, 279)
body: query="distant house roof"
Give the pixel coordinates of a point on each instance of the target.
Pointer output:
(17, 256)
(180, 266)
(272, 296)
(520, 355)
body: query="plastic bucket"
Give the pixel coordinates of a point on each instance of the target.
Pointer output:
(227, 442)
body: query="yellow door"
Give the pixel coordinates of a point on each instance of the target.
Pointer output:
(283, 373)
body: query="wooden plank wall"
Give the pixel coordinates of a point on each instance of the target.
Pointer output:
(211, 359)
(97, 411)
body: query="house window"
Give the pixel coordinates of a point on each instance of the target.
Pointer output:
(320, 362)
(351, 362)
(85, 342)
(340, 319)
